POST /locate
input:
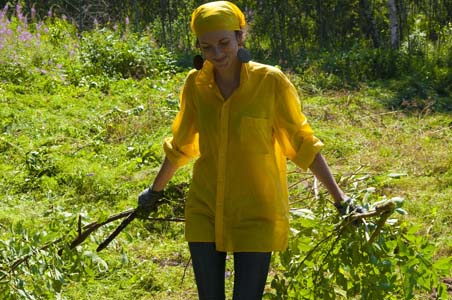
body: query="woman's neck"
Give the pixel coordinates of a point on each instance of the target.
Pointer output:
(229, 75)
(228, 80)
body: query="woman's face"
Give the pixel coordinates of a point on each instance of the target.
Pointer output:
(220, 48)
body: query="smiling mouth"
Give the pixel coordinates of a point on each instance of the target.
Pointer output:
(221, 60)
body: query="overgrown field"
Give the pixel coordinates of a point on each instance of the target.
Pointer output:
(82, 118)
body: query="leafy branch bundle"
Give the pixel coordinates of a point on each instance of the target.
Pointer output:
(382, 258)
(50, 260)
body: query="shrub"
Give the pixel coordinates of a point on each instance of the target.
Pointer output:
(29, 51)
(52, 52)
(111, 53)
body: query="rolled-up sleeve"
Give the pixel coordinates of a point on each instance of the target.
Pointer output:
(184, 143)
(293, 133)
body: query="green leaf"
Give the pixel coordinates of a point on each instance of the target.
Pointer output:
(340, 291)
(398, 200)
(443, 264)
(124, 258)
(303, 212)
(401, 211)
(57, 285)
(103, 216)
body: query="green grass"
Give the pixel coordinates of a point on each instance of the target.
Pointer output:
(359, 132)
(385, 142)
(93, 153)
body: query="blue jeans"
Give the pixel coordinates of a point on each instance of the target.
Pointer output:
(250, 272)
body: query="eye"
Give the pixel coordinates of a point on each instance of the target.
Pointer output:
(205, 47)
(224, 43)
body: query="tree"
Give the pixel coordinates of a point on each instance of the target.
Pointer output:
(393, 24)
(368, 22)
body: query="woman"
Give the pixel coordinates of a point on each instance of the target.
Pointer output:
(241, 120)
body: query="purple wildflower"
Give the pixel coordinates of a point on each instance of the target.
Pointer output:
(33, 12)
(5, 9)
(127, 21)
(227, 274)
(20, 15)
(19, 11)
(25, 22)
(3, 12)
(25, 36)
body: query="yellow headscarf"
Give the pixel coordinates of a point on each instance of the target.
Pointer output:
(218, 15)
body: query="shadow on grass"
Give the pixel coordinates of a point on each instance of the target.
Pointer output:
(412, 94)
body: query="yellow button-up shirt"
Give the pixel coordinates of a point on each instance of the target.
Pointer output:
(238, 196)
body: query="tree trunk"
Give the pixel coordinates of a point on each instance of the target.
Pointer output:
(393, 24)
(137, 14)
(283, 51)
(81, 15)
(368, 22)
(321, 26)
(163, 9)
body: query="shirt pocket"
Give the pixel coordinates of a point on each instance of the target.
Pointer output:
(255, 135)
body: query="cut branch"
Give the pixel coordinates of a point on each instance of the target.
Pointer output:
(83, 233)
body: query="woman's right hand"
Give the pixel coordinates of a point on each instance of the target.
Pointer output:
(148, 201)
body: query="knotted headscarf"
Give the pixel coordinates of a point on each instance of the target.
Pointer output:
(218, 15)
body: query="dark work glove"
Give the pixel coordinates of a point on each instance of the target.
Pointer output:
(148, 201)
(347, 207)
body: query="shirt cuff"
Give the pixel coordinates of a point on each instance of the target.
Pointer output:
(307, 152)
(175, 156)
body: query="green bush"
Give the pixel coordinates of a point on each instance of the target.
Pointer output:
(51, 53)
(31, 51)
(114, 54)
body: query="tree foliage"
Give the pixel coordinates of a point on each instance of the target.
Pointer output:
(283, 27)
(386, 38)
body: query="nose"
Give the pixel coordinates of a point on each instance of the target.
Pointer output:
(216, 51)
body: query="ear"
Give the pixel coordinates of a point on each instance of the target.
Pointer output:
(198, 62)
